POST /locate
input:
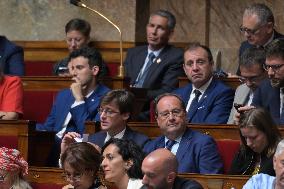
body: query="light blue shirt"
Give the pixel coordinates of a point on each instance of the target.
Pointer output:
(260, 181)
(175, 146)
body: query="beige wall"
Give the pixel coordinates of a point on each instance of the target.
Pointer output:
(212, 22)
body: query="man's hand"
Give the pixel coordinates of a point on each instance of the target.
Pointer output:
(67, 140)
(76, 89)
(240, 111)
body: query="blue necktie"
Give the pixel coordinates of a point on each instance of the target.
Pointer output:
(142, 75)
(169, 144)
(194, 103)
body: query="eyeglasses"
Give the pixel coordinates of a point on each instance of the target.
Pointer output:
(2, 177)
(250, 31)
(72, 177)
(174, 112)
(252, 79)
(108, 112)
(274, 68)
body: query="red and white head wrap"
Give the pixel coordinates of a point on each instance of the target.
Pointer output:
(11, 160)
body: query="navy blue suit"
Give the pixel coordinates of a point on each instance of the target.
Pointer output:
(268, 97)
(80, 113)
(138, 138)
(215, 104)
(162, 75)
(11, 57)
(197, 153)
(245, 45)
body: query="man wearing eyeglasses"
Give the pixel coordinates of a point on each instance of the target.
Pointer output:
(207, 99)
(270, 94)
(115, 110)
(252, 73)
(195, 152)
(257, 27)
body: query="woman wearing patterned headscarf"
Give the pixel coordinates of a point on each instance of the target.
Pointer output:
(13, 168)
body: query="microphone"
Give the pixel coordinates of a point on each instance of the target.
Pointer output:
(78, 3)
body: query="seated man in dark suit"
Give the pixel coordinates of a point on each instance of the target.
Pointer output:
(11, 58)
(270, 94)
(195, 152)
(79, 103)
(158, 65)
(207, 99)
(160, 172)
(115, 109)
(257, 27)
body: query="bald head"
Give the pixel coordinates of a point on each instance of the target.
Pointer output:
(160, 169)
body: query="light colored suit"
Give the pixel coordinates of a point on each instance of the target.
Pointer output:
(241, 97)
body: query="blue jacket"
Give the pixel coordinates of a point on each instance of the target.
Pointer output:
(81, 113)
(214, 106)
(197, 153)
(11, 58)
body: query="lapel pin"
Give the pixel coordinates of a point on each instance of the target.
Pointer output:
(158, 61)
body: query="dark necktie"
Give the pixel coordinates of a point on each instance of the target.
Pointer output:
(282, 109)
(194, 103)
(142, 75)
(169, 144)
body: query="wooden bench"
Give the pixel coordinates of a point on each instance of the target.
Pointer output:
(51, 178)
(231, 82)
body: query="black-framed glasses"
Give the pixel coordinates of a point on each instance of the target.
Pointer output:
(250, 31)
(108, 112)
(252, 79)
(274, 68)
(2, 177)
(174, 112)
(72, 177)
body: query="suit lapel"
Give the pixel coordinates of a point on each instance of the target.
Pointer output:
(66, 107)
(243, 95)
(141, 56)
(184, 145)
(275, 104)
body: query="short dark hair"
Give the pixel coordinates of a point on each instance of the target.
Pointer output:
(194, 45)
(275, 49)
(93, 55)
(166, 14)
(81, 157)
(262, 11)
(80, 25)
(122, 98)
(261, 120)
(129, 150)
(158, 98)
(252, 56)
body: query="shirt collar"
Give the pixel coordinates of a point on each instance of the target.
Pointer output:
(271, 39)
(118, 135)
(203, 88)
(156, 53)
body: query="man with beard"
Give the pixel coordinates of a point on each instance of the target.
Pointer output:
(160, 172)
(270, 94)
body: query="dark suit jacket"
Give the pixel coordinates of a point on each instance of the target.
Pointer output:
(182, 183)
(138, 138)
(11, 57)
(245, 45)
(214, 105)
(80, 113)
(268, 97)
(162, 76)
(197, 153)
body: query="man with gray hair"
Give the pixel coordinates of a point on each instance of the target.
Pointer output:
(252, 73)
(160, 172)
(257, 27)
(264, 181)
(158, 65)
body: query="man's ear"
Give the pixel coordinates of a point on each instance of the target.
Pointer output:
(171, 177)
(274, 162)
(95, 70)
(126, 116)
